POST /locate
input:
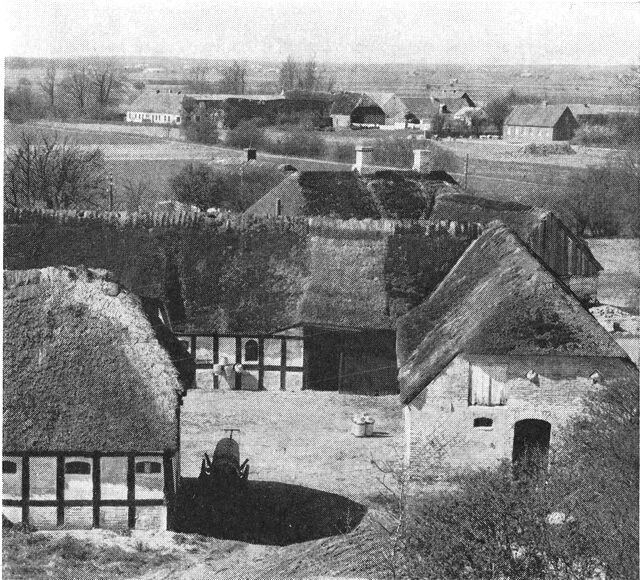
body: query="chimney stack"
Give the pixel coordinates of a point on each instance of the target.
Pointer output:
(252, 153)
(422, 161)
(364, 159)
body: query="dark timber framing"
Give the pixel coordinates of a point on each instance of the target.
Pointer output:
(260, 366)
(60, 503)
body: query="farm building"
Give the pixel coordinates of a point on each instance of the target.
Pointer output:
(435, 197)
(159, 108)
(586, 113)
(356, 109)
(422, 110)
(452, 100)
(540, 123)
(93, 383)
(395, 110)
(499, 357)
(229, 108)
(566, 253)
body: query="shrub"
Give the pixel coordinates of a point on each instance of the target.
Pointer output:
(202, 131)
(246, 134)
(497, 523)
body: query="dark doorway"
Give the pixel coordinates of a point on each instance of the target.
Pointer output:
(531, 445)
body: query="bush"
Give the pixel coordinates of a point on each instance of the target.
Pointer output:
(246, 134)
(202, 131)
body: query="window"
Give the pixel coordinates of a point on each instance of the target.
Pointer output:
(9, 467)
(148, 467)
(77, 468)
(251, 350)
(483, 422)
(177, 119)
(485, 390)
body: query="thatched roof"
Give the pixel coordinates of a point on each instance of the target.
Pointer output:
(383, 194)
(346, 103)
(167, 103)
(537, 115)
(421, 107)
(499, 299)
(85, 368)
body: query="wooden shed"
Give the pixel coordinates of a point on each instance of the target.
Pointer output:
(92, 390)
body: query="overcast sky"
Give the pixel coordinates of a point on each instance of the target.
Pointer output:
(604, 32)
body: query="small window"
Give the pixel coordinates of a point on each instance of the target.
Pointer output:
(9, 467)
(148, 467)
(483, 422)
(177, 119)
(77, 468)
(251, 350)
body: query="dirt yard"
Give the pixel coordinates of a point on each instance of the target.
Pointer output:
(619, 283)
(296, 438)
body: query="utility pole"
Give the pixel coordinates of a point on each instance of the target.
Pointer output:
(466, 171)
(110, 192)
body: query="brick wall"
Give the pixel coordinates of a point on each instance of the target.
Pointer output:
(442, 412)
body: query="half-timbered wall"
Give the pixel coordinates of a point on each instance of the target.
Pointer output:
(270, 362)
(88, 490)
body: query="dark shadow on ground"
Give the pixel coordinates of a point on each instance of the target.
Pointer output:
(266, 512)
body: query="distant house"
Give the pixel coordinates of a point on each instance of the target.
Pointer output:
(544, 123)
(498, 358)
(93, 382)
(158, 108)
(471, 116)
(217, 106)
(356, 109)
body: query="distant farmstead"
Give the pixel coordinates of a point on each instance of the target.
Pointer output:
(159, 108)
(93, 382)
(540, 123)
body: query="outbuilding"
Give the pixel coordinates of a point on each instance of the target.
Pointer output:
(93, 382)
(499, 358)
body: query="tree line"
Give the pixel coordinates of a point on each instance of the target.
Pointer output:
(84, 89)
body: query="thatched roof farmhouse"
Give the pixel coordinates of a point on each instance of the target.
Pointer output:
(500, 354)
(92, 387)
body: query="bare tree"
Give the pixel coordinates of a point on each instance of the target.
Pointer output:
(47, 172)
(198, 82)
(78, 86)
(105, 81)
(137, 194)
(49, 83)
(233, 79)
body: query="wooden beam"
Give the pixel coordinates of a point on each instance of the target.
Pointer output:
(131, 490)
(260, 364)
(216, 360)
(283, 364)
(25, 489)
(238, 377)
(60, 488)
(96, 491)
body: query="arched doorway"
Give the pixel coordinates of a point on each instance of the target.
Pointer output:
(531, 445)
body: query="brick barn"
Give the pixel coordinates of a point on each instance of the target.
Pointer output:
(542, 123)
(499, 357)
(91, 403)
